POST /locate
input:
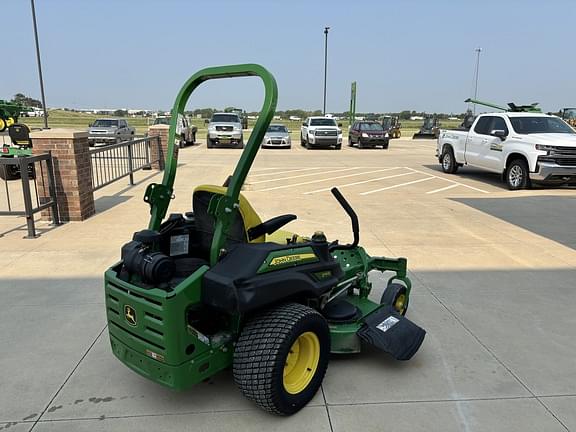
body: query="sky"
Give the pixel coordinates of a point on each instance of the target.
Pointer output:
(403, 54)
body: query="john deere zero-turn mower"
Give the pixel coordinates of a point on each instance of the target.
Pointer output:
(217, 287)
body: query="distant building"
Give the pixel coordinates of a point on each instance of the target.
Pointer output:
(416, 118)
(295, 118)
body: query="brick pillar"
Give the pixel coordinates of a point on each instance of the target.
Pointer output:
(159, 153)
(72, 171)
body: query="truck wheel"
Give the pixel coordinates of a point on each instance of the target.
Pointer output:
(448, 161)
(350, 141)
(396, 295)
(302, 141)
(517, 175)
(209, 142)
(9, 172)
(281, 357)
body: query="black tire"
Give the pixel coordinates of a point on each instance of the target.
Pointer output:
(350, 141)
(338, 147)
(517, 175)
(302, 141)
(448, 161)
(9, 172)
(396, 295)
(359, 144)
(308, 145)
(209, 142)
(262, 351)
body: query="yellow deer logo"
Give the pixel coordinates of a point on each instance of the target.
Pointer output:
(130, 315)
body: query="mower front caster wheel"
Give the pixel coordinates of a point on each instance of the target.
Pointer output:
(396, 295)
(281, 357)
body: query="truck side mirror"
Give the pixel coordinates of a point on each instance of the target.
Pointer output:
(499, 133)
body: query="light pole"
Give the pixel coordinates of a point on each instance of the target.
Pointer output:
(39, 65)
(325, 65)
(478, 51)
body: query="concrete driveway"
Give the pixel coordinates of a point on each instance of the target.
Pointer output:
(494, 285)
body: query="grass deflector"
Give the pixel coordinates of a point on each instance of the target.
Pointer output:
(217, 287)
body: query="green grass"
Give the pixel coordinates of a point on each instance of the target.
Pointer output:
(76, 120)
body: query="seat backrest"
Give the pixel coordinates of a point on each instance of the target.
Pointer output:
(20, 135)
(245, 219)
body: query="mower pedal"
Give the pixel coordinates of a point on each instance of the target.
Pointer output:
(393, 333)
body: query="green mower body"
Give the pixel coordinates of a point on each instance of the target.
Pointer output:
(218, 288)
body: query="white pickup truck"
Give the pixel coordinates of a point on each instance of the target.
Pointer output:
(321, 132)
(521, 146)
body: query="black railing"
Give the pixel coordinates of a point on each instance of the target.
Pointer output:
(113, 162)
(33, 196)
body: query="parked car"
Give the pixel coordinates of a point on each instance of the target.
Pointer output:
(277, 135)
(225, 130)
(109, 131)
(520, 146)
(321, 132)
(368, 134)
(184, 129)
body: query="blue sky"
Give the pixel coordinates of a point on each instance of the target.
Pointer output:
(404, 54)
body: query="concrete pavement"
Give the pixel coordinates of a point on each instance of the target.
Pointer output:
(493, 276)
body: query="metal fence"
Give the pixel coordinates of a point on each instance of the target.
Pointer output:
(121, 160)
(29, 196)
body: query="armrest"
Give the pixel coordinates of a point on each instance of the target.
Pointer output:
(269, 226)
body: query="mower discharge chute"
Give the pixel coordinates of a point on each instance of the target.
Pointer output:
(217, 287)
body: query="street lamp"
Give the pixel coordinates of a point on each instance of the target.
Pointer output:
(39, 65)
(478, 51)
(325, 65)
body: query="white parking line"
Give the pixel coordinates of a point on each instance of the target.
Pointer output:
(285, 172)
(302, 175)
(397, 186)
(319, 180)
(448, 180)
(360, 182)
(452, 186)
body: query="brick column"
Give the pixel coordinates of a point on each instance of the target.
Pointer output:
(159, 153)
(72, 171)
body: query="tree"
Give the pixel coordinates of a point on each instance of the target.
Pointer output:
(26, 101)
(120, 113)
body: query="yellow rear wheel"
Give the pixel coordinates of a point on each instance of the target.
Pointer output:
(301, 362)
(281, 356)
(9, 121)
(2, 124)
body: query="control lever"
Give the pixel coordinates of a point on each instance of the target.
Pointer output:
(353, 217)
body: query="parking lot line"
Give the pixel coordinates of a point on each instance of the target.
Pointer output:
(318, 180)
(360, 182)
(449, 180)
(397, 186)
(302, 175)
(452, 186)
(284, 172)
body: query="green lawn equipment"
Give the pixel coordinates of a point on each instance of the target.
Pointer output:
(512, 107)
(216, 288)
(429, 129)
(9, 113)
(20, 146)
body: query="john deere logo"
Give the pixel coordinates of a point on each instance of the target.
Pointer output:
(130, 315)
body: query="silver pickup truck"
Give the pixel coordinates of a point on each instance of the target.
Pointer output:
(109, 131)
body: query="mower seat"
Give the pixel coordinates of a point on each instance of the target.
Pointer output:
(247, 227)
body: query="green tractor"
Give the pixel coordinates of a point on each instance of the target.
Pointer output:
(9, 113)
(218, 288)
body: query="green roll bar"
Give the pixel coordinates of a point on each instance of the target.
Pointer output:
(222, 208)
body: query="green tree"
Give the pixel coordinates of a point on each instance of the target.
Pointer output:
(27, 101)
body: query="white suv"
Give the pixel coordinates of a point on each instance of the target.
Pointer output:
(321, 132)
(225, 130)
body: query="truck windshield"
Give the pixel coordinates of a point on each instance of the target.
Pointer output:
(534, 125)
(322, 122)
(277, 128)
(105, 123)
(371, 127)
(225, 118)
(162, 120)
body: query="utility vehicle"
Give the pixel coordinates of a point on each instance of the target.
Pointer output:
(215, 288)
